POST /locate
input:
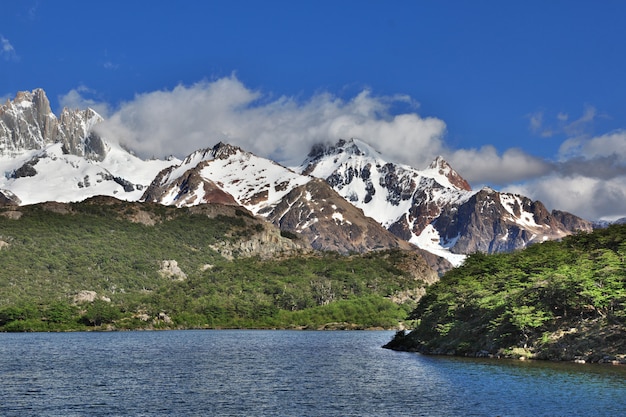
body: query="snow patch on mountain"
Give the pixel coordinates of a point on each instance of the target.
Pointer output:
(247, 177)
(513, 205)
(57, 176)
(430, 240)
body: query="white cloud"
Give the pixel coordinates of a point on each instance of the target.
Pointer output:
(537, 126)
(485, 165)
(547, 127)
(192, 117)
(580, 126)
(587, 197)
(75, 99)
(562, 117)
(609, 144)
(6, 50)
(536, 121)
(110, 65)
(589, 179)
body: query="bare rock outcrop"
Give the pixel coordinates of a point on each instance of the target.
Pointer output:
(28, 123)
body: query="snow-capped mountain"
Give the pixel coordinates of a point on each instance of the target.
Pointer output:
(253, 182)
(296, 203)
(45, 158)
(435, 208)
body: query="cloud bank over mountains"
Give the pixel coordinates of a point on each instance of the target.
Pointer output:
(187, 118)
(587, 177)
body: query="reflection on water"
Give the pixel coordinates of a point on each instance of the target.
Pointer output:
(285, 373)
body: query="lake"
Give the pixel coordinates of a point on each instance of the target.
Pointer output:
(283, 373)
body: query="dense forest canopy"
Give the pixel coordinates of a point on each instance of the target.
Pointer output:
(554, 300)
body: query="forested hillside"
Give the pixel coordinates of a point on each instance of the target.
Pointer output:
(108, 264)
(556, 300)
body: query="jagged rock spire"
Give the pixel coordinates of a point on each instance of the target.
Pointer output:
(28, 123)
(443, 168)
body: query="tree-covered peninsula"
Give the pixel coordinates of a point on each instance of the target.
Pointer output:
(555, 300)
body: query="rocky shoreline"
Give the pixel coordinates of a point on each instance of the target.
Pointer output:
(406, 342)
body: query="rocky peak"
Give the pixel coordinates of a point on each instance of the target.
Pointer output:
(435, 207)
(443, 168)
(572, 222)
(317, 151)
(78, 136)
(28, 123)
(351, 146)
(36, 98)
(188, 189)
(224, 150)
(197, 156)
(34, 106)
(252, 181)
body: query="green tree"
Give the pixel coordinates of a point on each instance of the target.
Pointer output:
(101, 312)
(60, 312)
(527, 319)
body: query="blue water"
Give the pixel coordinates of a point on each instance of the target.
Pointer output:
(283, 373)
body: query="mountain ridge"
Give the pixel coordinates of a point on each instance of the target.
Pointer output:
(62, 159)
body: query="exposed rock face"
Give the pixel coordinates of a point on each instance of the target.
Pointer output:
(170, 269)
(7, 198)
(264, 241)
(444, 169)
(499, 222)
(330, 222)
(86, 296)
(190, 189)
(570, 221)
(77, 136)
(28, 123)
(403, 199)
(187, 184)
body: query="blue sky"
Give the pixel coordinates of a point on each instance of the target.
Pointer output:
(523, 96)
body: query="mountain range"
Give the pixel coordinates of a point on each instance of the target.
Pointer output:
(344, 197)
